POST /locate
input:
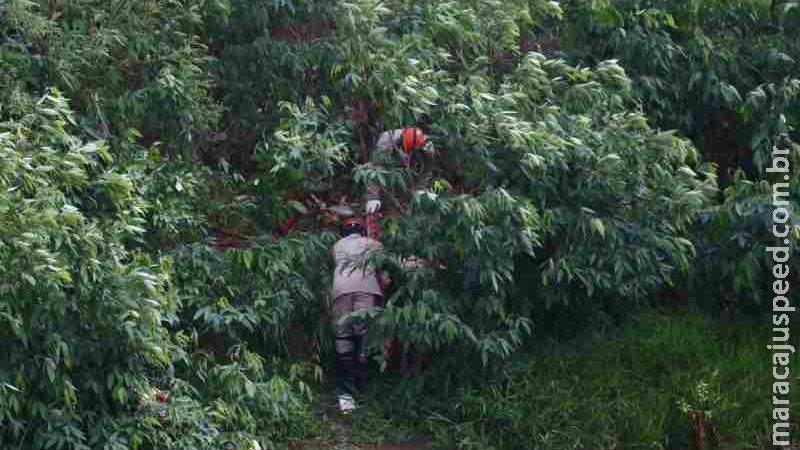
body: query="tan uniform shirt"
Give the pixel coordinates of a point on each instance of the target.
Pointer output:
(350, 253)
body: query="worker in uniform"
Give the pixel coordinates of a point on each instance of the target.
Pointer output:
(394, 148)
(356, 286)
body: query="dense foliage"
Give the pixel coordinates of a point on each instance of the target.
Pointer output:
(152, 292)
(725, 73)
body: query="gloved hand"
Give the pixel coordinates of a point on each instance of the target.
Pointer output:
(373, 206)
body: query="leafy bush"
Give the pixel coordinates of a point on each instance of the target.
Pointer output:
(82, 314)
(87, 316)
(131, 65)
(725, 74)
(733, 272)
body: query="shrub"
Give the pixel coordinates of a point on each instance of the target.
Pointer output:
(724, 73)
(82, 313)
(94, 326)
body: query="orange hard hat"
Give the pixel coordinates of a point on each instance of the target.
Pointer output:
(412, 138)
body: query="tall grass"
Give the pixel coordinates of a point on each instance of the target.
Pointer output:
(622, 389)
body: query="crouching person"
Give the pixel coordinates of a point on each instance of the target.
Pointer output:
(355, 287)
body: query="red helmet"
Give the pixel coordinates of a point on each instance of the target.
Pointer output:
(412, 138)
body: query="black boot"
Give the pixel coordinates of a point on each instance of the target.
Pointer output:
(360, 364)
(344, 382)
(344, 373)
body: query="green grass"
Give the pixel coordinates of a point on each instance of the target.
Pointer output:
(617, 390)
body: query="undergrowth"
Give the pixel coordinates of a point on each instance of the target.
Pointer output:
(616, 389)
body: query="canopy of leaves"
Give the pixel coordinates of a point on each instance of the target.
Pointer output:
(726, 74)
(142, 140)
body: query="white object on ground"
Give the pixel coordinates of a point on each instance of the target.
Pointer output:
(373, 205)
(346, 403)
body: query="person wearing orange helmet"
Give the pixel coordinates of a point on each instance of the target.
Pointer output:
(356, 286)
(392, 147)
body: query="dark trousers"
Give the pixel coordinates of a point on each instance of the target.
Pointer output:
(351, 355)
